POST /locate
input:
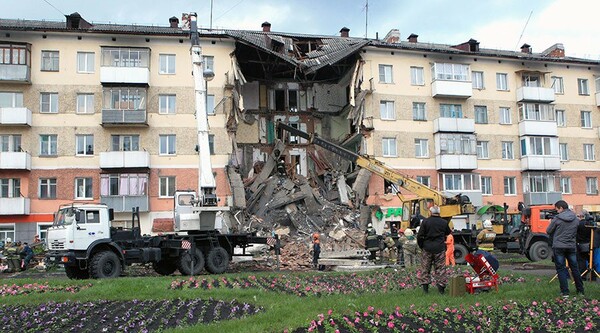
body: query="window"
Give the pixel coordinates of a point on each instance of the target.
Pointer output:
(536, 112)
(211, 143)
(591, 185)
(564, 151)
(166, 63)
(416, 76)
(505, 117)
(83, 188)
(85, 145)
(582, 87)
(451, 111)
(124, 98)
(588, 152)
(85, 103)
(421, 148)
(210, 104)
(450, 72)
(48, 145)
(538, 146)
(510, 187)
(461, 182)
(166, 104)
(125, 57)
(558, 85)
(10, 187)
(507, 150)
(385, 74)
(458, 144)
(7, 230)
(539, 183)
(586, 119)
(10, 143)
(561, 118)
(42, 230)
(166, 186)
(389, 147)
(50, 61)
(15, 54)
(125, 142)
(419, 111)
(48, 102)
(425, 180)
(477, 79)
(11, 99)
(531, 80)
(502, 81)
(486, 185)
(85, 62)
(47, 189)
(386, 109)
(483, 150)
(125, 184)
(209, 62)
(167, 144)
(565, 185)
(481, 114)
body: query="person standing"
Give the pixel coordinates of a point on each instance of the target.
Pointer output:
(432, 240)
(410, 248)
(316, 250)
(583, 239)
(372, 241)
(563, 231)
(450, 251)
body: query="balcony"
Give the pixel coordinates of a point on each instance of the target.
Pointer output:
(462, 125)
(536, 127)
(535, 94)
(455, 162)
(124, 203)
(15, 116)
(121, 75)
(15, 160)
(475, 196)
(15, 73)
(541, 198)
(455, 89)
(124, 159)
(540, 163)
(124, 117)
(14, 206)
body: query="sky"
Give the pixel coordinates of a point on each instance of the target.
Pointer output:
(496, 24)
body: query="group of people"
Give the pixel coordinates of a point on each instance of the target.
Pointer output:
(16, 251)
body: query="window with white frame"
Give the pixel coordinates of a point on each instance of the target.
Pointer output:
(561, 118)
(10, 187)
(421, 148)
(425, 180)
(586, 119)
(588, 152)
(558, 85)
(507, 150)
(209, 62)
(416, 76)
(125, 142)
(510, 186)
(591, 185)
(531, 80)
(85, 144)
(598, 84)
(86, 62)
(387, 110)
(166, 104)
(458, 144)
(477, 80)
(564, 151)
(419, 111)
(582, 87)
(389, 147)
(540, 183)
(124, 184)
(10, 143)
(210, 104)
(83, 188)
(42, 230)
(462, 182)
(10, 99)
(450, 72)
(47, 188)
(451, 111)
(125, 57)
(565, 185)
(538, 146)
(85, 103)
(536, 111)
(166, 186)
(385, 74)
(481, 114)
(486, 185)
(502, 81)
(483, 151)
(124, 98)
(166, 64)
(505, 117)
(7, 230)
(48, 145)
(48, 102)
(168, 144)
(50, 61)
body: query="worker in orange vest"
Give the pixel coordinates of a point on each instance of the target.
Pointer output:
(450, 250)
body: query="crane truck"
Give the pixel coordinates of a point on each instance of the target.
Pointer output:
(84, 240)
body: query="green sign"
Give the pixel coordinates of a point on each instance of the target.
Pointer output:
(390, 212)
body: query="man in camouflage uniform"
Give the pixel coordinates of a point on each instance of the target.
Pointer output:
(432, 240)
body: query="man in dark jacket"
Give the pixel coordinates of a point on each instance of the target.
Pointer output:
(563, 231)
(583, 239)
(432, 240)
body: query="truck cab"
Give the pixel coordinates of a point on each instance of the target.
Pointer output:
(76, 227)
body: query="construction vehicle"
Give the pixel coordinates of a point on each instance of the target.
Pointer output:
(464, 240)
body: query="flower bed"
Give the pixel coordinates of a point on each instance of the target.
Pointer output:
(570, 315)
(35, 288)
(118, 316)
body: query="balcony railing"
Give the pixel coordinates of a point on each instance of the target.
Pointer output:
(457, 89)
(15, 160)
(541, 198)
(14, 206)
(455, 162)
(138, 75)
(15, 116)
(124, 203)
(540, 163)
(15, 73)
(535, 94)
(462, 125)
(123, 117)
(538, 127)
(124, 159)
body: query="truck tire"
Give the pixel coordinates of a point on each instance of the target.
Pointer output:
(539, 251)
(164, 267)
(105, 264)
(184, 264)
(217, 260)
(76, 273)
(460, 254)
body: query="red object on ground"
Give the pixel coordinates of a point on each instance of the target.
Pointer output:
(488, 278)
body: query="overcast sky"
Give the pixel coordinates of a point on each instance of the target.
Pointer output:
(494, 23)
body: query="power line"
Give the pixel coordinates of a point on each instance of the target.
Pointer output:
(51, 5)
(228, 10)
(522, 32)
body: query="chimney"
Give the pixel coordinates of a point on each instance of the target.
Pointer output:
(266, 26)
(473, 45)
(75, 21)
(526, 48)
(555, 51)
(174, 22)
(345, 32)
(413, 38)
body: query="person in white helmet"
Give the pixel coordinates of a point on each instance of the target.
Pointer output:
(371, 241)
(485, 238)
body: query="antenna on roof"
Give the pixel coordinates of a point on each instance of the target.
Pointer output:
(51, 5)
(367, 19)
(211, 11)
(522, 32)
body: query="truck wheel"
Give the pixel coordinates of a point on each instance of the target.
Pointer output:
(217, 260)
(184, 264)
(105, 264)
(164, 267)
(75, 273)
(539, 251)
(460, 254)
